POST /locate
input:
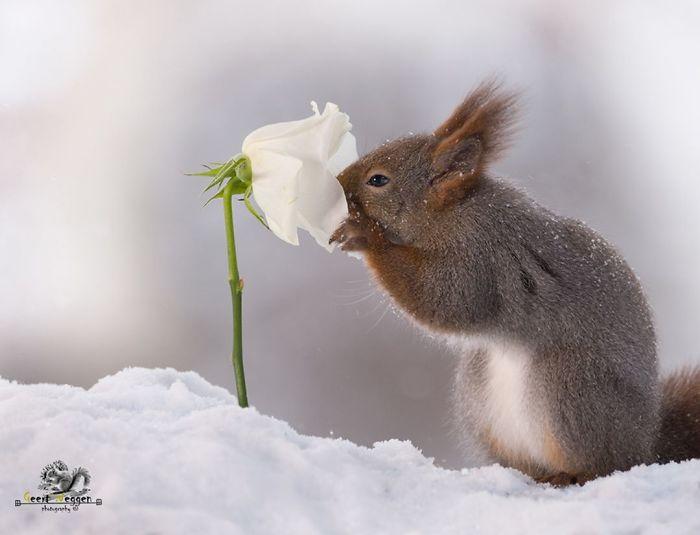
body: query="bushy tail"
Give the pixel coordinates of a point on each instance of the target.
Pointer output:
(679, 437)
(78, 473)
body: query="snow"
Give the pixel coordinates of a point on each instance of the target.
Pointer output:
(170, 453)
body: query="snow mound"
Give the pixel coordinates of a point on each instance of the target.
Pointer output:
(170, 453)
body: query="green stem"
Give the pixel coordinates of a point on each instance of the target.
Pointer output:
(236, 284)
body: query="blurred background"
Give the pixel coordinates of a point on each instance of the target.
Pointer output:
(108, 259)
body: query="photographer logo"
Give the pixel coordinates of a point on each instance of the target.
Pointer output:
(63, 489)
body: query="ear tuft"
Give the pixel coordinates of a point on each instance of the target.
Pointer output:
(478, 131)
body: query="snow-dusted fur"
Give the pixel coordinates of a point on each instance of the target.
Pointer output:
(559, 374)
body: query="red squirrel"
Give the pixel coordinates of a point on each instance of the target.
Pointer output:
(557, 374)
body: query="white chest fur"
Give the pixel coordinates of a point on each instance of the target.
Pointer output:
(506, 408)
(511, 407)
(498, 401)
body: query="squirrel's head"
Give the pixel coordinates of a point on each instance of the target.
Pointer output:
(398, 192)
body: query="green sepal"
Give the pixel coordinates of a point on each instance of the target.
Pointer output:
(219, 195)
(236, 171)
(243, 172)
(251, 208)
(235, 174)
(209, 172)
(216, 183)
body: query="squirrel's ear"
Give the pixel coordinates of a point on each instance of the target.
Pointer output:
(475, 134)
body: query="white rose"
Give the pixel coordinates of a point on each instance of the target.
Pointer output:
(295, 165)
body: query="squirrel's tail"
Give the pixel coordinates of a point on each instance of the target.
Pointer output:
(679, 437)
(77, 474)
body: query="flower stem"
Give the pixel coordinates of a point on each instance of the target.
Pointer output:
(236, 284)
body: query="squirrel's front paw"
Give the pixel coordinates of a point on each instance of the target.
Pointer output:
(349, 236)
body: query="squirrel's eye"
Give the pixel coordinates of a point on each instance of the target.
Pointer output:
(378, 181)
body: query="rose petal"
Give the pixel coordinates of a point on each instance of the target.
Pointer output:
(344, 156)
(275, 188)
(295, 165)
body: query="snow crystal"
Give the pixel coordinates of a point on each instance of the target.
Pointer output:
(170, 453)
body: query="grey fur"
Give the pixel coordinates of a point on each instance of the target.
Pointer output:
(556, 287)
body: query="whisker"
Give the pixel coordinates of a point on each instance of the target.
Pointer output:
(379, 303)
(388, 306)
(351, 299)
(352, 291)
(364, 298)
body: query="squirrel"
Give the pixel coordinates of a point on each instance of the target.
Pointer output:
(558, 374)
(56, 479)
